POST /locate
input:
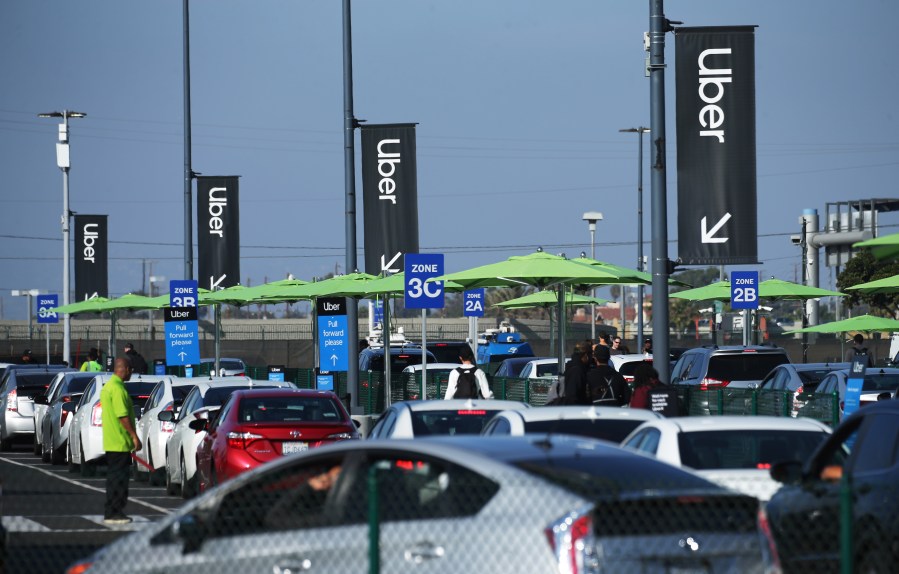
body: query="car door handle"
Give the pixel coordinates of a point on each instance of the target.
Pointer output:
(424, 551)
(292, 566)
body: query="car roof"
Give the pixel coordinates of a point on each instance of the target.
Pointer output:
(737, 423)
(582, 412)
(205, 379)
(814, 366)
(284, 392)
(627, 358)
(736, 349)
(212, 360)
(460, 404)
(416, 368)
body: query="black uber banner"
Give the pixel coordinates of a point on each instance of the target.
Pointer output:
(218, 232)
(91, 257)
(716, 150)
(389, 195)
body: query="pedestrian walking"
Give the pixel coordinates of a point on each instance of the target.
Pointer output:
(467, 381)
(859, 348)
(575, 380)
(119, 441)
(92, 364)
(138, 364)
(605, 385)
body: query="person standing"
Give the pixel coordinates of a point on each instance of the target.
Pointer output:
(859, 348)
(575, 380)
(119, 441)
(138, 364)
(27, 359)
(617, 348)
(605, 385)
(467, 381)
(647, 346)
(92, 363)
(646, 378)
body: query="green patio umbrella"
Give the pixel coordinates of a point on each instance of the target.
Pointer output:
(885, 247)
(349, 285)
(86, 306)
(776, 289)
(885, 285)
(718, 291)
(866, 323)
(548, 299)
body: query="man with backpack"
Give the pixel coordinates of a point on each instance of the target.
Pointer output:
(605, 385)
(859, 348)
(467, 381)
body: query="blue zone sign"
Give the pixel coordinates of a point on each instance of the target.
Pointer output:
(46, 305)
(182, 339)
(333, 344)
(744, 290)
(473, 303)
(420, 294)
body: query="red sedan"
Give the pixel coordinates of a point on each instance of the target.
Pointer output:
(258, 425)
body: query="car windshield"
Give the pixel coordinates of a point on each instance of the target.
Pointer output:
(881, 382)
(180, 392)
(627, 369)
(76, 385)
(744, 366)
(216, 396)
(33, 383)
(607, 429)
(446, 352)
(288, 409)
(746, 448)
(450, 422)
(140, 392)
(813, 377)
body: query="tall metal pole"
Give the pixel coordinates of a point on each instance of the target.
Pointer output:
(188, 171)
(593, 291)
(803, 246)
(349, 173)
(640, 267)
(658, 26)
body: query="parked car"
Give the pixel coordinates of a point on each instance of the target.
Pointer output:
(438, 378)
(228, 367)
(202, 402)
(42, 401)
(511, 367)
(796, 379)
(606, 423)
(805, 513)
(454, 506)
(413, 419)
(53, 424)
(733, 451)
(627, 364)
(819, 404)
(372, 358)
(259, 425)
(86, 431)
(17, 392)
(167, 395)
(541, 369)
(446, 351)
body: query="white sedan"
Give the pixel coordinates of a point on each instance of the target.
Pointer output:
(606, 423)
(411, 419)
(627, 364)
(734, 451)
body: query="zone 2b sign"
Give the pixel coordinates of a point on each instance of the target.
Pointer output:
(744, 290)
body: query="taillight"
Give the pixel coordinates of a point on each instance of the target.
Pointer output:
(242, 439)
(572, 542)
(12, 401)
(770, 546)
(708, 383)
(799, 390)
(346, 435)
(167, 426)
(97, 415)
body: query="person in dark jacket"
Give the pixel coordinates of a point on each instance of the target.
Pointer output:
(605, 385)
(576, 380)
(138, 364)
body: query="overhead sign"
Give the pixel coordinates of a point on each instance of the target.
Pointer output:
(182, 338)
(473, 303)
(716, 165)
(421, 294)
(218, 231)
(91, 257)
(333, 341)
(389, 196)
(46, 308)
(276, 373)
(744, 289)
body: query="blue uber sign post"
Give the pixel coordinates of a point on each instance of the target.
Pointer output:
(182, 340)
(333, 343)
(421, 294)
(854, 383)
(744, 290)
(46, 308)
(473, 303)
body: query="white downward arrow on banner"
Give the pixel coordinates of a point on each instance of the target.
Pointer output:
(389, 265)
(213, 282)
(708, 235)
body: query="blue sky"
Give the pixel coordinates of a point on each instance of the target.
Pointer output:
(518, 102)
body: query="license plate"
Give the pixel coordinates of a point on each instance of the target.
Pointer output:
(294, 447)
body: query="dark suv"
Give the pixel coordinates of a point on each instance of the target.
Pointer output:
(731, 367)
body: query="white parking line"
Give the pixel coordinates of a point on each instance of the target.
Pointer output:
(82, 485)
(22, 524)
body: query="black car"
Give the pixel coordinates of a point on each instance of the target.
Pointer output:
(446, 351)
(857, 466)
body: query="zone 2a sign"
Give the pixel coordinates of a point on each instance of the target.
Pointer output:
(421, 294)
(744, 290)
(473, 303)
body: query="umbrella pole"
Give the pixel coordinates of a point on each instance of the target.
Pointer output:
(561, 328)
(218, 338)
(112, 341)
(424, 354)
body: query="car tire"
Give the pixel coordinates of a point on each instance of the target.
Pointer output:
(187, 486)
(155, 477)
(5, 444)
(37, 446)
(70, 463)
(171, 488)
(88, 470)
(57, 455)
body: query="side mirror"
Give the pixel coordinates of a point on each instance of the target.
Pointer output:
(68, 407)
(198, 424)
(166, 416)
(787, 472)
(190, 531)
(42, 400)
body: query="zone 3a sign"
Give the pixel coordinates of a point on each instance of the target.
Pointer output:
(744, 290)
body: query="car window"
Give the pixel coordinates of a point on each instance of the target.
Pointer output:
(682, 368)
(87, 393)
(876, 449)
(191, 402)
(614, 430)
(750, 449)
(74, 385)
(547, 370)
(827, 385)
(769, 381)
(289, 408)
(650, 444)
(696, 367)
(450, 422)
(743, 366)
(222, 415)
(32, 384)
(499, 425)
(881, 382)
(781, 378)
(155, 395)
(526, 371)
(634, 441)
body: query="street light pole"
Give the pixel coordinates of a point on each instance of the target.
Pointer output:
(62, 160)
(28, 293)
(591, 217)
(640, 267)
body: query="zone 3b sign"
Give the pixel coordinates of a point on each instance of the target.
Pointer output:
(744, 290)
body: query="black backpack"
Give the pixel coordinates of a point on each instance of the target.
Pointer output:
(466, 384)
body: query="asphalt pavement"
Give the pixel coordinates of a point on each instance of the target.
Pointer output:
(54, 517)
